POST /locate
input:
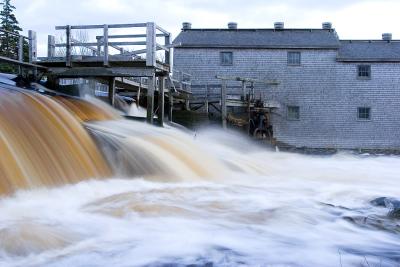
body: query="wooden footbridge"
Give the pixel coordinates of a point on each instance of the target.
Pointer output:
(130, 59)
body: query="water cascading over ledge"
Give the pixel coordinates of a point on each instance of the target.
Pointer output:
(43, 141)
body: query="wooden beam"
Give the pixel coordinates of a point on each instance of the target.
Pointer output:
(271, 82)
(74, 42)
(98, 47)
(167, 53)
(77, 72)
(223, 104)
(123, 36)
(111, 91)
(139, 92)
(51, 46)
(109, 43)
(170, 101)
(151, 45)
(23, 64)
(206, 100)
(20, 52)
(32, 46)
(110, 26)
(244, 90)
(150, 99)
(161, 90)
(105, 45)
(162, 30)
(68, 46)
(21, 49)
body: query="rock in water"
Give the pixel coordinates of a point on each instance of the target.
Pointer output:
(379, 202)
(392, 204)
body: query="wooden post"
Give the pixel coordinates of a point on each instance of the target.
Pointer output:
(150, 99)
(206, 100)
(161, 90)
(111, 91)
(223, 103)
(151, 44)
(244, 90)
(138, 92)
(248, 115)
(32, 46)
(181, 80)
(33, 50)
(105, 45)
(170, 103)
(52, 82)
(68, 47)
(167, 53)
(99, 47)
(252, 91)
(92, 86)
(21, 49)
(20, 52)
(51, 46)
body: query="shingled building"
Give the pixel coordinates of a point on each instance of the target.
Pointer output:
(341, 94)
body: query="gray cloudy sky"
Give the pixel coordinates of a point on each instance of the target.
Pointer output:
(353, 19)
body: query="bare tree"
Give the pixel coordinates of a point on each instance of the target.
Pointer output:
(80, 36)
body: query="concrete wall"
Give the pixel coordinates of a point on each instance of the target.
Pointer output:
(328, 93)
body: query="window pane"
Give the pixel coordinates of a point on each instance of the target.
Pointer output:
(364, 113)
(293, 112)
(226, 58)
(364, 71)
(294, 58)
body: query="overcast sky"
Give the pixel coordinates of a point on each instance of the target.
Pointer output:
(353, 19)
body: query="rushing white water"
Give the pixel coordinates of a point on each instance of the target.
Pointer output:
(220, 202)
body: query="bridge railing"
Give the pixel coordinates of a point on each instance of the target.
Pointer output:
(182, 80)
(151, 33)
(19, 60)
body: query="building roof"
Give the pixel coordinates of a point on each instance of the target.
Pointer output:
(258, 38)
(369, 51)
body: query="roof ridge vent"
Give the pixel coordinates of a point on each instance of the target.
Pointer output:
(387, 37)
(232, 25)
(186, 26)
(279, 25)
(327, 25)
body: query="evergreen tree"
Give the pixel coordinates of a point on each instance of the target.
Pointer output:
(8, 42)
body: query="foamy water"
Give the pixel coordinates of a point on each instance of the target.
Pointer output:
(248, 207)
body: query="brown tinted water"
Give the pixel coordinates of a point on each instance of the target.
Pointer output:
(43, 142)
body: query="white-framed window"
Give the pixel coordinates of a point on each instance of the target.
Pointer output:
(293, 58)
(226, 58)
(293, 112)
(364, 71)
(364, 113)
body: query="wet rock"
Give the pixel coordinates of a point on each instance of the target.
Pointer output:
(375, 222)
(394, 206)
(379, 202)
(390, 203)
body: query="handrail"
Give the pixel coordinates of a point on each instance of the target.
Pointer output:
(32, 50)
(153, 31)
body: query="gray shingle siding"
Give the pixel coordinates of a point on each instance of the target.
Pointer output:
(327, 90)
